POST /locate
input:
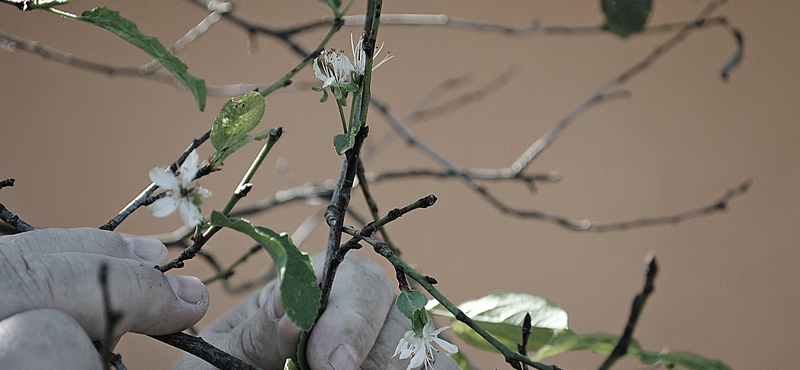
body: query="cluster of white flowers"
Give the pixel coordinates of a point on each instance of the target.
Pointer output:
(183, 195)
(421, 349)
(334, 68)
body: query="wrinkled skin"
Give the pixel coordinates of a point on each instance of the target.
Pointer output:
(51, 308)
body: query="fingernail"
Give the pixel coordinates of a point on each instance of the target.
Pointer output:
(146, 248)
(188, 288)
(343, 358)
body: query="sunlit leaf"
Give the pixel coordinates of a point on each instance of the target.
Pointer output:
(604, 344)
(289, 365)
(502, 315)
(236, 119)
(111, 21)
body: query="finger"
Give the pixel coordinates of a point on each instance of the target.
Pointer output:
(46, 339)
(256, 330)
(151, 302)
(85, 240)
(357, 308)
(380, 357)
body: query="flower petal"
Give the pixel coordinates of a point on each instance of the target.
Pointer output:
(445, 345)
(418, 359)
(318, 73)
(163, 207)
(201, 191)
(329, 82)
(189, 168)
(163, 178)
(190, 213)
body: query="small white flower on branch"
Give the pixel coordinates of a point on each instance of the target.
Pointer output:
(333, 68)
(360, 57)
(183, 195)
(420, 348)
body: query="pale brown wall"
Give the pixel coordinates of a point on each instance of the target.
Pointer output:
(80, 145)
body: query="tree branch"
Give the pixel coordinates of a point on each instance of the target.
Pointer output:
(638, 305)
(204, 350)
(142, 198)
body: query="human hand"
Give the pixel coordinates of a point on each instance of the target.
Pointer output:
(52, 304)
(360, 328)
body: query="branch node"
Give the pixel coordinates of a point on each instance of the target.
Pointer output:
(243, 190)
(427, 201)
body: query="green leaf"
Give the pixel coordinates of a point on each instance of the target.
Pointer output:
(461, 360)
(624, 17)
(111, 21)
(343, 142)
(691, 361)
(566, 341)
(409, 301)
(418, 321)
(502, 314)
(236, 119)
(289, 365)
(604, 344)
(300, 293)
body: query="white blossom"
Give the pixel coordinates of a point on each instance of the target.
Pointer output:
(421, 349)
(360, 57)
(183, 195)
(333, 68)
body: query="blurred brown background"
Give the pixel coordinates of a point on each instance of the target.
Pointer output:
(80, 145)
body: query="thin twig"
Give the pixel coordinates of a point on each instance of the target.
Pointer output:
(112, 316)
(114, 359)
(204, 350)
(543, 142)
(226, 273)
(636, 310)
(141, 199)
(240, 191)
(9, 217)
(373, 206)
(530, 180)
(426, 282)
(522, 348)
(13, 220)
(187, 39)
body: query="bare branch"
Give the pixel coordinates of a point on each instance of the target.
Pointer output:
(204, 350)
(540, 144)
(112, 318)
(142, 198)
(188, 38)
(636, 309)
(13, 220)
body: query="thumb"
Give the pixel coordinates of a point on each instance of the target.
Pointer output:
(257, 330)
